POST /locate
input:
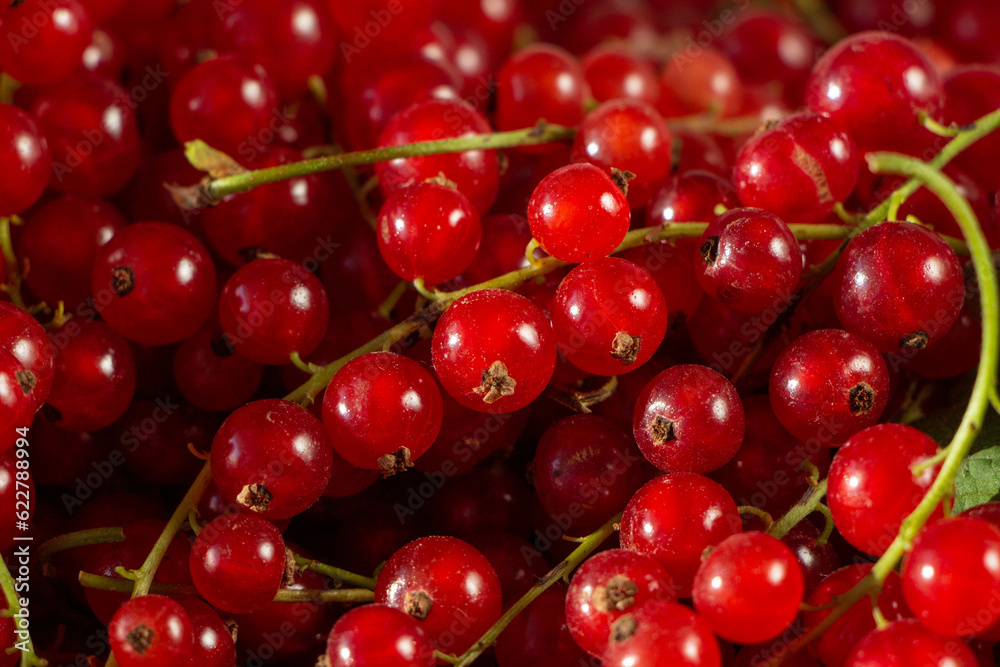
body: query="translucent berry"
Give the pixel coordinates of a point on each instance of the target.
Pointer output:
(662, 633)
(906, 643)
(25, 160)
(151, 631)
(43, 39)
(378, 635)
(540, 81)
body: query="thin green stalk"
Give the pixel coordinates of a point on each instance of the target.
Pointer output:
(79, 538)
(335, 573)
(799, 512)
(7, 583)
(587, 547)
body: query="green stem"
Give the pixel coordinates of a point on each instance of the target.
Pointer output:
(79, 538)
(12, 281)
(216, 189)
(799, 512)
(28, 657)
(180, 515)
(758, 512)
(587, 547)
(335, 573)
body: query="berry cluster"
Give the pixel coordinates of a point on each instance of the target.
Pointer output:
(604, 331)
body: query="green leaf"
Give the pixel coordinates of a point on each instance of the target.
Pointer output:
(205, 158)
(978, 479)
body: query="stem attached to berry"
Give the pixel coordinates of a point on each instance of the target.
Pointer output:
(587, 547)
(799, 512)
(80, 538)
(335, 573)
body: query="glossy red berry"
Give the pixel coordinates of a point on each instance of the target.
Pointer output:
(828, 385)
(539, 635)
(382, 411)
(95, 376)
(588, 467)
(609, 316)
(874, 85)
(213, 641)
(672, 270)
(238, 562)
(951, 575)
(226, 102)
(690, 196)
(614, 73)
(900, 286)
(629, 136)
(607, 586)
(475, 173)
(25, 160)
(428, 230)
(662, 633)
(270, 308)
(749, 587)
(378, 635)
(154, 283)
(905, 643)
(540, 81)
(578, 213)
(151, 631)
(699, 81)
(749, 260)
(209, 373)
(872, 486)
(272, 457)
(972, 91)
(797, 168)
(24, 337)
(441, 581)
(43, 39)
(674, 518)
(494, 351)
(689, 418)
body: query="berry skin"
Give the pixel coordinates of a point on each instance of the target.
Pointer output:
(447, 585)
(270, 308)
(901, 286)
(798, 168)
(238, 562)
(377, 635)
(905, 644)
(25, 160)
(702, 82)
(871, 485)
(609, 316)
(661, 633)
(24, 337)
(154, 283)
(749, 260)
(588, 467)
(151, 631)
(256, 437)
(213, 641)
(210, 374)
(540, 81)
(674, 518)
(951, 576)
(829, 384)
(874, 85)
(577, 213)
(429, 231)
(382, 411)
(689, 418)
(630, 136)
(614, 73)
(607, 586)
(749, 588)
(43, 40)
(493, 351)
(538, 636)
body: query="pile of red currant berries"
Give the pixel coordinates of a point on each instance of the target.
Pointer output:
(690, 391)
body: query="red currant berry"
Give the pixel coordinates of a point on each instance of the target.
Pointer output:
(872, 485)
(578, 213)
(394, 21)
(689, 418)
(607, 586)
(588, 467)
(44, 39)
(673, 272)
(540, 81)
(493, 351)
(475, 173)
(155, 283)
(238, 562)
(874, 85)
(901, 286)
(630, 136)
(210, 374)
(377, 635)
(829, 384)
(906, 643)
(797, 168)
(270, 308)
(539, 636)
(972, 91)
(609, 316)
(25, 338)
(614, 73)
(441, 581)
(690, 196)
(25, 160)
(213, 640)
(273, 457)
(355, 406)
(951, 576)
(662, 633)
(699, 82)
(749, 588)
(428, 230)
(749, 260)
(151, 631)
(674, 518)
(226, 102)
